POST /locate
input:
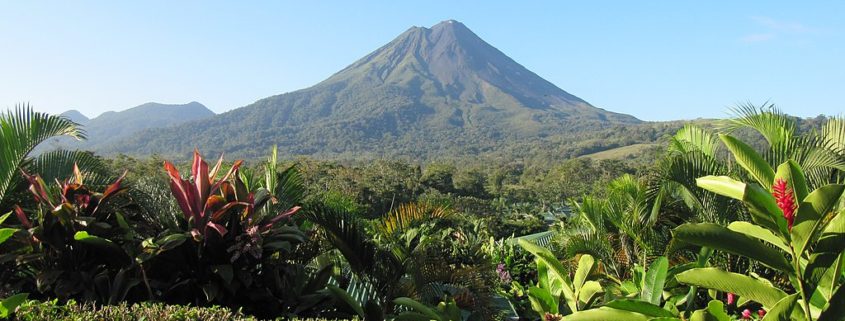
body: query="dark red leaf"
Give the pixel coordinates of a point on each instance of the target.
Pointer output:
(22, 217)
(218, 228)
(279, 217)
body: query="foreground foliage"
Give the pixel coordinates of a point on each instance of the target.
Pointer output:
(72, 311)
(721, 228)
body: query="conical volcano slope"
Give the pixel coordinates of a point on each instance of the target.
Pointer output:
(431, 92)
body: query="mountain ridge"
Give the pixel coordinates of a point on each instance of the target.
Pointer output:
(428, 92)
(111, 126)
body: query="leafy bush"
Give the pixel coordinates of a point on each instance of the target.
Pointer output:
(72, 311)
(72, 244)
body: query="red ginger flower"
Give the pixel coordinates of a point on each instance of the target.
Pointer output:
(785, 199)
(746, 314)
(761, 313)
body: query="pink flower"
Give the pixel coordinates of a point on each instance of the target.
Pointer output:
(731, 298)
(761, 313)
(786, 200)
(746, 314)
(504, 275)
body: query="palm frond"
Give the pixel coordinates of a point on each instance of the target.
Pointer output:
(348, 234)
(775, 126)
(409, 215)
(693, 138)
(21, 129)
(59, 165)
(289, 188)
(833, 134)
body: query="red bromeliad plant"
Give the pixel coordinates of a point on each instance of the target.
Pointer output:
(240, 241)
(198, 197)
(206, 202)
(73, 243)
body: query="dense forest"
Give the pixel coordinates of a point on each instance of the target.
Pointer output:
(720, 220)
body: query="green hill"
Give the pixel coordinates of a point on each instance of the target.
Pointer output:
(623, 152)
(112, 126)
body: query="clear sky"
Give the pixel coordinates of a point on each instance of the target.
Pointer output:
(657, 60)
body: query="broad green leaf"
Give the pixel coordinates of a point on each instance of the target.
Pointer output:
(832, 239)
(373, 311)
(759, 233)
(6, 233)
(451, 310)
(588, 294)
(586, 265)
(785, 310)
(638, 306)
(810, 212)
(4, 217)
(716, 309)
(821, 272)
(723, 185)
(105, 244)
(761, 204)
(556, 268)
(750, 160)
(605, 314)
(704, 315)
(542, 300)
(341, 296)
(835, 309)
(701, 261)
(225, 272)
(8, 305)
(413, 316)
(319, 279)
(742, 285)
(418, 307)
(542, 274)
(792, 174)
(720, 238)
(655, 278)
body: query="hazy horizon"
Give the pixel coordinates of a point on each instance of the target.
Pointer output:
(655, 62)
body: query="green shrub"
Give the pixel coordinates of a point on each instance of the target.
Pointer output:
(72, 311)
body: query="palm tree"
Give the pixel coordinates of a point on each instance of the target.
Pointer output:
(394, 256)
(21, 130)
(618, 228)
(694, 152)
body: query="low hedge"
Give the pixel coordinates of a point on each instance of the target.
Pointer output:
(146, 311)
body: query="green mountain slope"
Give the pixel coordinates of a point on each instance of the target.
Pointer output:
(431, 92)
(112, 126)
(75, 116)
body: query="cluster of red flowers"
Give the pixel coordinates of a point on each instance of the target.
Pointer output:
(746, 314)
(786, 200)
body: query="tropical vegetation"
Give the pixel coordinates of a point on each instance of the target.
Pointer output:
(741, 220)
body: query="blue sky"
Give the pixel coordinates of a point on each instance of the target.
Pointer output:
(654, 60)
